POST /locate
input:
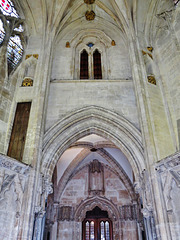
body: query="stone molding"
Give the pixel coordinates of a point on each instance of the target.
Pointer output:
(168, 163)
(90, 120)
(65, 213)
(129, 212)
(92, 202)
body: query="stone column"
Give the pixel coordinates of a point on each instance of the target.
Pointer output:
(39, 225)
(33, 151)
(140, 86)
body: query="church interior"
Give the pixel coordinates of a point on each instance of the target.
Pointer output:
(89, 120)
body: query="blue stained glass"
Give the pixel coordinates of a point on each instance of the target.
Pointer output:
(90, 45)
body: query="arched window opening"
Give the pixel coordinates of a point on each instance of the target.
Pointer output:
(84, 65)
(97, 65)
(14, 52)
(14, 42)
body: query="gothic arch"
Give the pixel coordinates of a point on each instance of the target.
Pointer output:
(101, 202)
(69, 172)
(90, 120)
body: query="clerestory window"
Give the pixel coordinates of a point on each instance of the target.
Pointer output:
(90, 64)
(11, 37)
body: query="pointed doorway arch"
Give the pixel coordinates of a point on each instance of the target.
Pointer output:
(97, 225)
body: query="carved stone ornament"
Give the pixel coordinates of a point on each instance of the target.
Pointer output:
(151, 79)
(149, 54)
(15, 166)
(68, 45)
(113, 43)
(128, 212)
(147, 211)
(150, 49)
(47, 187)
(95, 166)
(39, 211)
(27, 82)
(65, 213)
(168, 163)
(34, 55)
(96, 178)
(143, 52)
(90, 15)
(89, 1)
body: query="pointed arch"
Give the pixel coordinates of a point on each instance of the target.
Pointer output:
(84, 65)
(90, 203)
(90, 120)
(97, 64)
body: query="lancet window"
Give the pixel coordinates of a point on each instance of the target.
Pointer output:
(90, 64)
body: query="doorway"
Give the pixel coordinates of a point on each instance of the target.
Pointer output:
(97, 225)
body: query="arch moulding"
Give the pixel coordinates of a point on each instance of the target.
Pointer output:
(92, 120)
(90, 203)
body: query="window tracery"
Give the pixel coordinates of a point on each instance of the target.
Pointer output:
(11, 33)
(176, 2)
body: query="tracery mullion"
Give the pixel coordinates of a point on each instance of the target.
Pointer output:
(105, 230)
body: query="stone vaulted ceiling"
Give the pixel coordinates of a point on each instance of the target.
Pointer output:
(61, 16)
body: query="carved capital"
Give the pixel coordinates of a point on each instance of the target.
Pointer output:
(147, 211)
(47, 187)
(39, 211)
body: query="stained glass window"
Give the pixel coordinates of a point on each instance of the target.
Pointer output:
(14, 48)
(90, 44)
(92, 231)
(7, 8)
(87, 230)
(102, 231)
(107, 230)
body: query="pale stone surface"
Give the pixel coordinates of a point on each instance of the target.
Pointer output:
(116, 95)
(137, 117)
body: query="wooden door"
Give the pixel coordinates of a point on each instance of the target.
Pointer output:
(19, 130)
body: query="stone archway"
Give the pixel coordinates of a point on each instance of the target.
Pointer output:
(88, 205)
(90, 120)
(109, 125)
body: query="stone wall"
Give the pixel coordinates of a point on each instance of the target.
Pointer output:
(13, 181)
(79, 190)
(67, 96)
